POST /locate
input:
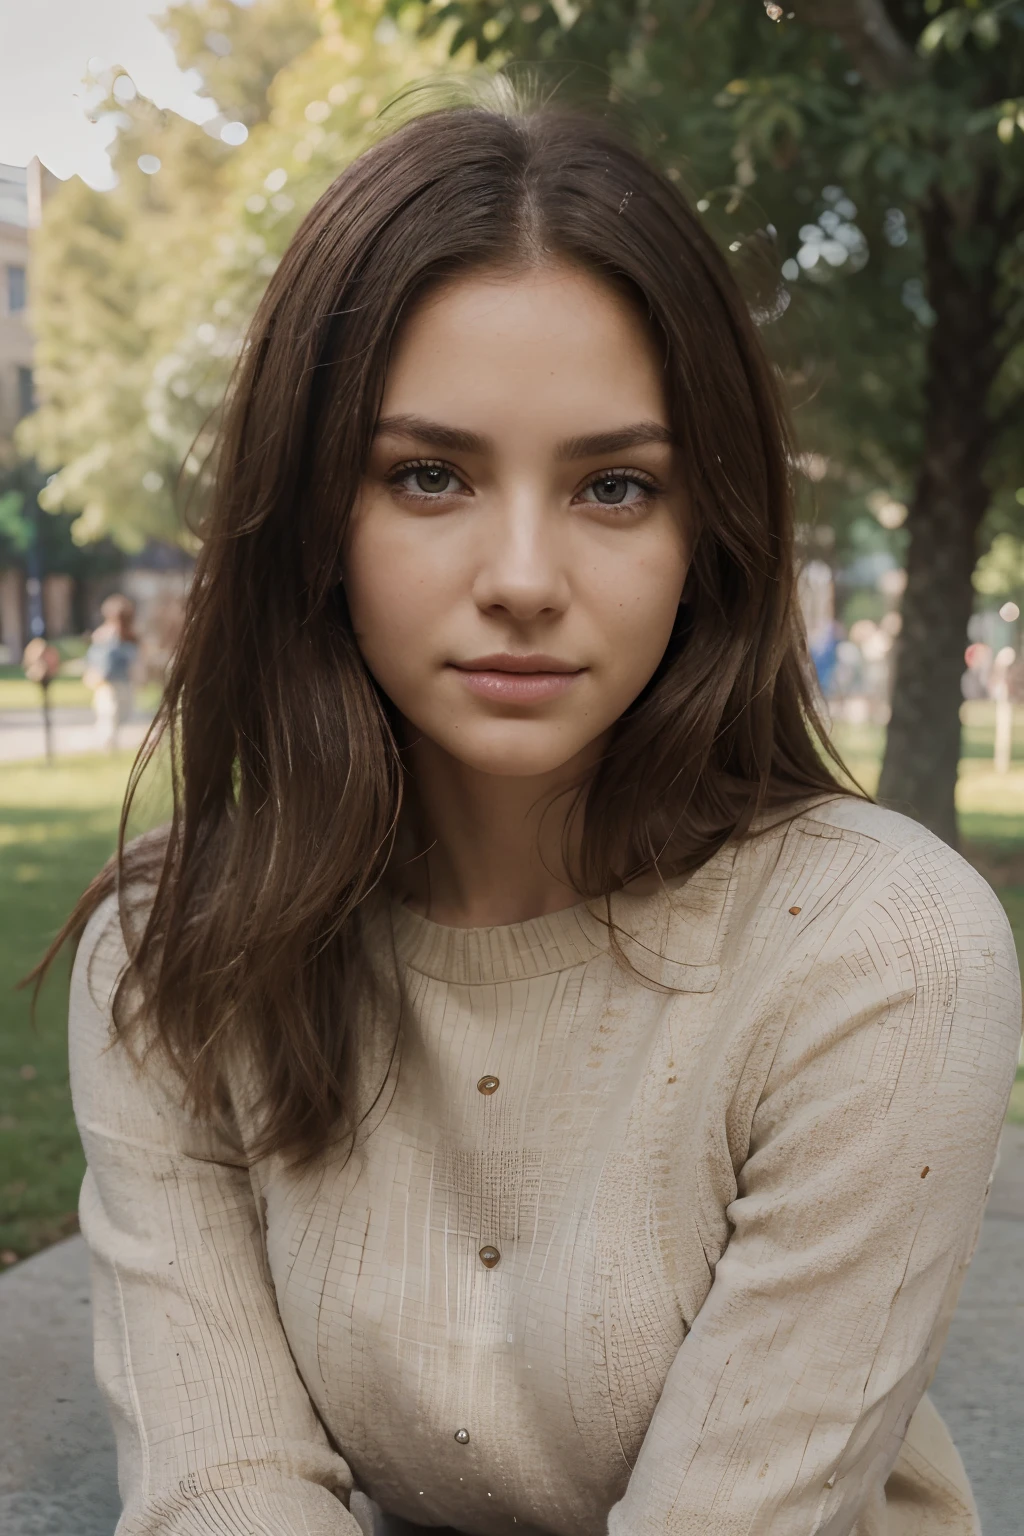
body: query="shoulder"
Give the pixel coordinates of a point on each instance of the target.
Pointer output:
(102, 957)
(840, 818)
(99, 961)
(852, 816)
(843, 883)
(846, 850)
(126, 1087)
(889, 917)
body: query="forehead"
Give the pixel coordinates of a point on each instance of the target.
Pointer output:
(555, 346)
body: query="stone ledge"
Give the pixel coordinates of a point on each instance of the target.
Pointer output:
(58, 1472)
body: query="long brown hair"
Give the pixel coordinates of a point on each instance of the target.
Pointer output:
(288, 779)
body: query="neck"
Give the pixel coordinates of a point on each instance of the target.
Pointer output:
(481, 850)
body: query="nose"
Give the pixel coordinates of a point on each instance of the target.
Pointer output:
(523, 566)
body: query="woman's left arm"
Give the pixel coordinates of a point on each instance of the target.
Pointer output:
(857, 1212)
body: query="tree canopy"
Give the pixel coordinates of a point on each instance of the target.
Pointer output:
(799, 129)
(142, 294)
(829, 127)
(878, 145)
(861, 161)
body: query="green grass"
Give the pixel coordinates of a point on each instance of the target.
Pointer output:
(19, 693)
(1015, 1113)
(16, 692)
(57, 827)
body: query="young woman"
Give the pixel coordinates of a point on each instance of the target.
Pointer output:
(524, 1091)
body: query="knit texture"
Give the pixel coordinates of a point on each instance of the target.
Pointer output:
(734, 1198)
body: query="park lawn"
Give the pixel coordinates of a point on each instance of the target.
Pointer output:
(1015, 1113)
(17, 692)
(65, 692)
(58, 826)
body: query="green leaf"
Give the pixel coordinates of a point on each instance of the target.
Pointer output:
(947, 31)
(466, 33)
(14, 526)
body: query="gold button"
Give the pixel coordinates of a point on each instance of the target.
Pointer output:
(487, 1084)
(462, 1436)
(489, 1256)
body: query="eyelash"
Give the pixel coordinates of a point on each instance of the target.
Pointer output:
(645, 483)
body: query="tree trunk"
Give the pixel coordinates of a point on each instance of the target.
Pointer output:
(922, 749)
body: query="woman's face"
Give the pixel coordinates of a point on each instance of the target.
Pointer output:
(523, 505)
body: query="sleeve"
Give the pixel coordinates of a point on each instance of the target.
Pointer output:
(215, 1431)
(857, 1212)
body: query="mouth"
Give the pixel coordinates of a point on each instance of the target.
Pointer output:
(513, 679)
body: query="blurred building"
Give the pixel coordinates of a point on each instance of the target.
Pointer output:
(15, 361)
(21, 192)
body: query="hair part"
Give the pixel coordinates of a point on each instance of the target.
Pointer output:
(288, 780)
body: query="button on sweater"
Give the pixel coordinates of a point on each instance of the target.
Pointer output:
(659, 1248)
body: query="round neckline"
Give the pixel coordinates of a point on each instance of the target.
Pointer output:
(535, 946)
(571, 936)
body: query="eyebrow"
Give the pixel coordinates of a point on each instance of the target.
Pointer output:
(457, 440)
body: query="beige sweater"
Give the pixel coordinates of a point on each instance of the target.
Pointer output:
(733, 1219)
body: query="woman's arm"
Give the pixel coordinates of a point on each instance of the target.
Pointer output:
(857, 1212)
(215, 1432)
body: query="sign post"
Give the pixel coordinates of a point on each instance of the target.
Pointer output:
(41, 663)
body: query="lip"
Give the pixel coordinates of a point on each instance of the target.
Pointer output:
(508, 661)
(512, 679)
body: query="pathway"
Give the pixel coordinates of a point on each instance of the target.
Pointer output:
(74, 732)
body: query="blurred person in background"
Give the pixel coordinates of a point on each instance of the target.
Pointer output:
(874, 641)
(823, 644)
(526, 1084)
(110, 668)
(974, 684)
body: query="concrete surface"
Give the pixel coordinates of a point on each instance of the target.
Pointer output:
(57, 1469)
(979, 1385)
(74, 732)
(57, 1466)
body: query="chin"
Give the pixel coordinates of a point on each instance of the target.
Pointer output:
(511, 759)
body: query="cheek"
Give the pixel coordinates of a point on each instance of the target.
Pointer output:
(393, 598)
(370, 590)
(640, 607)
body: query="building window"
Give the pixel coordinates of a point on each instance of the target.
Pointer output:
(15, 289)
(26, 392)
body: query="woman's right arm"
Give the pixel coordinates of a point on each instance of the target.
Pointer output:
(215, 1431)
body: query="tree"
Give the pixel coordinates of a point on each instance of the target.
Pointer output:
(33, 542)
(141, 295)
(880, 145)
(114, 277)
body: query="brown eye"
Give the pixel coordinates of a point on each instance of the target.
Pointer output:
(619, 490)
(434, 477)
(427, 481)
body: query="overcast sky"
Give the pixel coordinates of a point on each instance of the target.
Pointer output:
(46, 49)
